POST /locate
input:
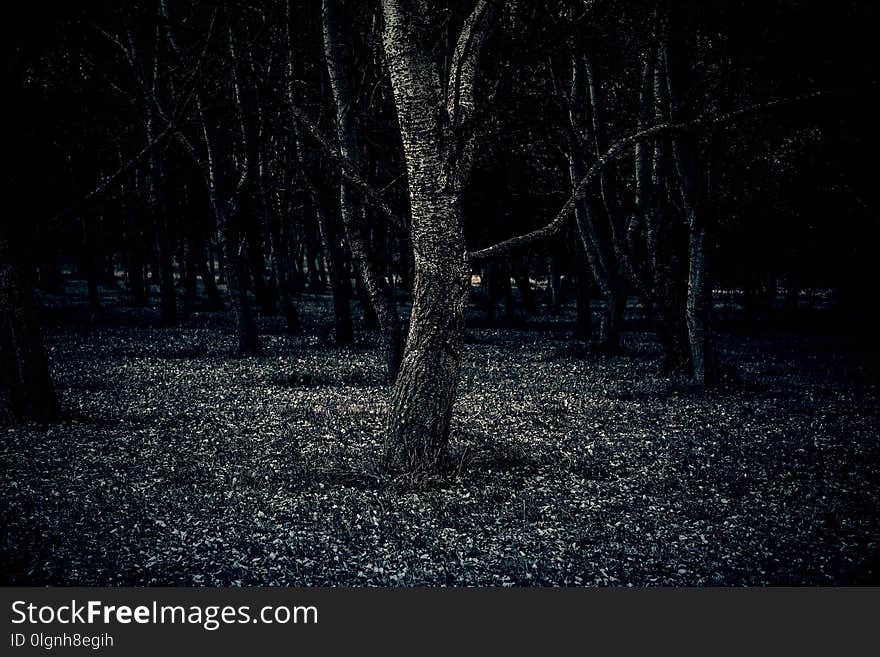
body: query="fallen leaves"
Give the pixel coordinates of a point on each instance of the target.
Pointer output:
(179, 464)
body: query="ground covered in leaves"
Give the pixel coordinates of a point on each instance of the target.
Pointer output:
(179, 464)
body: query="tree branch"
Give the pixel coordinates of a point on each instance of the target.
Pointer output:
(120, 173)
(614, 153)
(348, 171)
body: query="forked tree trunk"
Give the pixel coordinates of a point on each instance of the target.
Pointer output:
(26, 389)
(437, 164)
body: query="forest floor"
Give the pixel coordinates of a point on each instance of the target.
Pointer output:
(178, 464)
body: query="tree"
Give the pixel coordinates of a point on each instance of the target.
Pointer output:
(434, 116)
(352, 215)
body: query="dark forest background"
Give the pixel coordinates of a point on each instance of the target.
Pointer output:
(681, 181)
(93, 84)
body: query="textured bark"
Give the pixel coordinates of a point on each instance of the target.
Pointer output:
(666, 236)
(437, 162)
(26, 389)
(371, 321)
(699, 287)
(423, 396)
(352, 218)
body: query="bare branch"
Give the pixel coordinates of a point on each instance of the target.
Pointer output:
(120, 173)
(614, 153)
(348, 171)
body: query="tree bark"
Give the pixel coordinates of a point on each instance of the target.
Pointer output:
(352, 218)
(437, 167)
(695, 200)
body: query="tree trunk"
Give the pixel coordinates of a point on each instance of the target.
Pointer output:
(205, 267)
(281, 265)
(190, 277)
(137, 287)
(438, 165)
(696, 199)
(257, 267)
(423, 396)
(167, 292)
(371, 320)
(490, 290)
(699, 310)
(340, 286)
(236, 267)
(352, 218)
(316, 278)
(521, 277)
(584, 326)
(612, 320)
(600, 240)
